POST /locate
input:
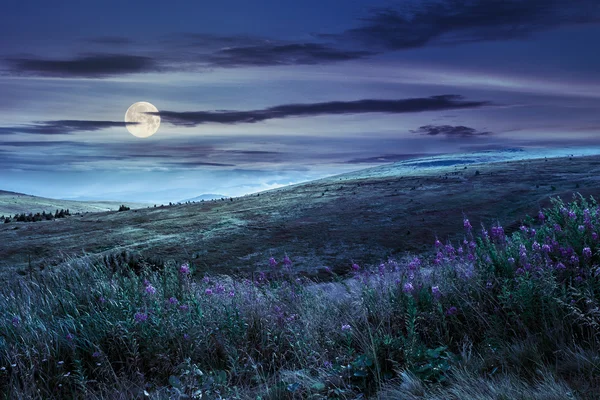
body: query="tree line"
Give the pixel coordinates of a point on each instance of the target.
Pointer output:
(31, 217)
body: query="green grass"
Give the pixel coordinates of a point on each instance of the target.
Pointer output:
(491, 317)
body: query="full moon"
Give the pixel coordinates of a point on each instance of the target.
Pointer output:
(139, 123)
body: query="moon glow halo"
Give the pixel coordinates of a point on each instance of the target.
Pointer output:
(139, 123)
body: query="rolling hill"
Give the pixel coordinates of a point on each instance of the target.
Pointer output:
(364, 216)
(15, 203)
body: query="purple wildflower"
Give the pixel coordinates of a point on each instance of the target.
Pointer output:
(489, 285)
(69, 337)
(438, 243)
(140, 317)
(96, 354)
(16, 321)
(497, 232)
(435, 291)
(231, 293)
(594, 236)
(184, 269)
(408, 287)
(557, 228)
(184, 307)
(574, 260)
(452, 311)
(520, 271)
(414, 264)
(272, 262)
(346, 328)
(467, 225)
(587, 252)
(581, 228)
(173, 300)
(206, 280)
(186, 336)
(511, 260)
(572, 214)
(523, 229)
(546, 248)
(560, 266)
(287, 261)
(219, 288)
(101, 300)
(578, 278)
(208, 291)
(355, 267)
(541, 216)
(150, 289)
(536, 246)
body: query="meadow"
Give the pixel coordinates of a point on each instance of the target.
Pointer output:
(489, 316)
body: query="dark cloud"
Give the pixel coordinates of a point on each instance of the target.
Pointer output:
(460, 21)
(94, 66)
(282, 54)
(60, 127)
(433, 103)
(450, 131)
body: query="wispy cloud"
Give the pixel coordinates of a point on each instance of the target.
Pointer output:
(282, 54)
(93, 66)
(60, 127)
(413, 105)
(458, 21)
(450, 131)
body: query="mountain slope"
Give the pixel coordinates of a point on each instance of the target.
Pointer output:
(362, 217)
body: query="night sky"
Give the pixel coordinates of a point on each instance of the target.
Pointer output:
(255, 95)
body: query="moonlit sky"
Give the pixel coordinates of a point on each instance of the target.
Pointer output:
(257, 95)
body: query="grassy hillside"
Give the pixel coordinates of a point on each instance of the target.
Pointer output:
(12, 203)
(490, 317)
(364, 217)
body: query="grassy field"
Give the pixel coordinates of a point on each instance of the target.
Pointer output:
(487, 316)
(12, 203)
(365, 217)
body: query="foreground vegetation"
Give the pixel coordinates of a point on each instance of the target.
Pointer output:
(491, 317)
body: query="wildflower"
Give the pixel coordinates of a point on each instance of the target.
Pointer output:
(287, 261)
(460, 250)
(146, 282)
(484, 233)
(489, 285)
(355, 267)
(435, 291)
(497, 232)
(184, 307)
(581, 228)
(328, 270)
(536, 246)
(16, 321)
(594, 236)
(557, 228)
(560, 266)
(471, 257)
(532, 232)
(219, 288)
(438, 243)
(231, 293)
(60, 362)
(208, 291)
(150, 289)
(472, 245)
(572, 214)
(186, 336)
(272, 262)
(449, 249)
(452, 311)
(587, 252)
(101, 300)
(408, 288)
(574, 260)
(467, 225)
(69, 337)
(520, 271)
(511, 260)
(206, 279)
(140, 317)
(173, 300)
(541, 216)
(327, 364)
(96, 354)
(578, 278)
(346, 328)
(381, 269)
(184, 269)
(414, 264)
(546, 248)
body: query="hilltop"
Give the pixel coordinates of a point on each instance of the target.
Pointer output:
(364, 216)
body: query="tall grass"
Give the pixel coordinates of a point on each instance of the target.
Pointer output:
(493, 316)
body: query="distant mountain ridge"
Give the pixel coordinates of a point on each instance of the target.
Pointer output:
(206, 196)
